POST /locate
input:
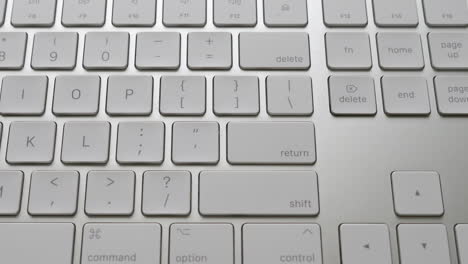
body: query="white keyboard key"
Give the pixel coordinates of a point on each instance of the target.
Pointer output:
(255, 193)
(31, 142)
(405, 96)
(345, 13)
(76, 95)
(462, 242)
(110, 193)
(54, 193)
(423, 244)
(166, 193)
(236, 96)
(235, 13)
(106, 51)
(85, 13)
(417, 193)
(452, 94)
(348, 51)
(276, 143)
(121, 243)
(86, 142)
(281, 243)
(209, 50)
(289, 96)
(190, 13)
(195, 143)
(201, 243)
(183, 95)
(396, 13)
(140, 143)
(35, 13)
(446, 13)
(54, 51)
(400, 51)
(134, 13)
(286, 51)
(11, 189)
(157, 51)
(365, 244)
(23, 95)
(285, 13)
(449, 51)
(12, 50)
(130, 95)
(3, 4)
(50, 243)
(352, 95)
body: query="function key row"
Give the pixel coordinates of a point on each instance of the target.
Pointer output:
(213, 243)
(137, 13)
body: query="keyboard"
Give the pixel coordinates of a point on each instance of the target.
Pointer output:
(233, 131)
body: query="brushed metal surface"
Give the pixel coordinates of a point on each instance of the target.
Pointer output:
(355, 155)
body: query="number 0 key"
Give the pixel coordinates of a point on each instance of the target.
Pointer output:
(106, 51)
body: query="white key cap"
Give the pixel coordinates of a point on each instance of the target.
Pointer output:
(157, 51)
(256, 143)
(201, 243)
(396, 13)
(2, 11)
(121, 243)
(348, 51)
(235, 13)
(345, 13)
(255, 193)
(462, 242)
(289, 96)
(54, 50)
(423, 244)
(50, 243)
(85, 13)
(195, 143)
(11, 189)
(184, 13)
(352, 95)
(54, 193)
(209, 50)
(110, 193)
(31, 142)
(23, 95)
(236, 95)
(449, 51)
(365, 244)
(281, 243)
(286, 51)
(86, 142)
(417, 193)
(452, 94)
(76, 95)
(182, 95)
(166, 193)
(35, 13)
(446, 13)
(129, 95)
(405, 96)
(134, 13)
(12, 50)
(140, 143)
(400, 51)
(106, 51)
(285, 13)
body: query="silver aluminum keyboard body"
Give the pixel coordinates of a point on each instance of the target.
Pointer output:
(355, 155)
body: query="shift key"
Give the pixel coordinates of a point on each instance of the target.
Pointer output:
(253, 143)
(274, 51)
